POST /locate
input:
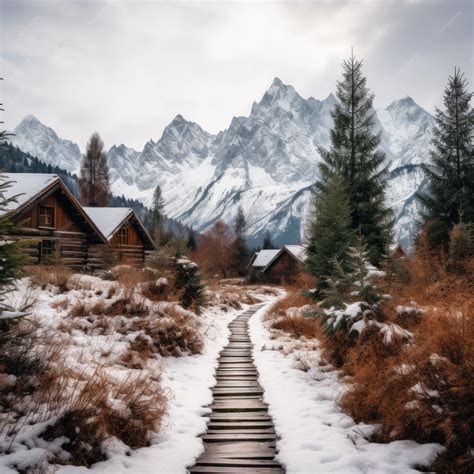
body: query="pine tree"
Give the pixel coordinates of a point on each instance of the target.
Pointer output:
(330, 234)
(356, 156)
(354, 285)
(188, 281)
(267, 241)
(11, 257)
(191, 242)
(157, 211)
(240, 251)
(94, 187)
(451, 171)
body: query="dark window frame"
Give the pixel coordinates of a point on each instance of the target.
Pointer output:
(123, 235)
(46, 251)
(50, 214)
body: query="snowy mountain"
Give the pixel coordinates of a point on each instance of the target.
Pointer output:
(266, 162)
(32, 137)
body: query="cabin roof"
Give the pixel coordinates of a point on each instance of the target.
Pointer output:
(298, 252)
(28, 188)
(110, 219)
(264, 257)
(25, 187)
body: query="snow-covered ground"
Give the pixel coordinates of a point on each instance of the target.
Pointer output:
(188, 380)
(314, 435)
(185, 380)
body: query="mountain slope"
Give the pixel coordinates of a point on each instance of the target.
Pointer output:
(266, 162)
(32, 137)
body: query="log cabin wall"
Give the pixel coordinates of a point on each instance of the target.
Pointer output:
(126, 246)
(52, 233)
(284, 270)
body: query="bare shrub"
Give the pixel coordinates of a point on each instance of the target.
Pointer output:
(294, 299)
(423, 391)
(101, 408)
(298, 326)
(56, 275)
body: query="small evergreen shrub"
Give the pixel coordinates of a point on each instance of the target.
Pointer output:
(188, 281)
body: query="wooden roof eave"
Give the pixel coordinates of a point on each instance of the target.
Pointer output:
(132, 216)
(46, 192)
(277, 256)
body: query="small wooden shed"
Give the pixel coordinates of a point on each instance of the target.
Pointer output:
(49, 217)
(286, 264)
(126, 236)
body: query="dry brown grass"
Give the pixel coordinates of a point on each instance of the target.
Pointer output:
(90, 407)
(422, 390)
(90, 419)
(285, 316)
(44, 275)
(298, 326)
(294, 299)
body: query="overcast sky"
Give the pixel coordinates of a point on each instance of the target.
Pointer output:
(126, 68)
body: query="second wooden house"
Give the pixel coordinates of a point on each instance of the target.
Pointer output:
(126, 236)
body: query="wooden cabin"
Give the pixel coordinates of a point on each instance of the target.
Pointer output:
(50, 219)
(127, 238)
(261, 259)
(396, 251)
(286, 264)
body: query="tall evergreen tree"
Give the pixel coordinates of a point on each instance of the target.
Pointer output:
(240, 251)
(451, 171)
(267, 241)
(330, 233)
(191, 243)
(94, 187)
(355, 155)
(11, 257)
(157, 211)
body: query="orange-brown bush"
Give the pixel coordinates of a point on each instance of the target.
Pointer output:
(55, 275)
(422, 390)
(91, 419)
(298, 326)
(294, 299)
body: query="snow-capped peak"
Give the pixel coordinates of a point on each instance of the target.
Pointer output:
(33, 137)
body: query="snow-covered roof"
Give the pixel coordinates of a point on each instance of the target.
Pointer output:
(298, 251)
(26, 186)
(108, 219)
(264, 257)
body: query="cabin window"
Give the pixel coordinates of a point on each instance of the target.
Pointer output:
(46, 216)
(123, 235)
(46, 251)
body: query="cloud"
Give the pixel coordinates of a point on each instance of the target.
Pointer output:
(127, 68)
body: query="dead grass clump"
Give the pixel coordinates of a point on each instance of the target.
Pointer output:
(157, 290)
(298, 326)
(176, 333)
(43, 276)
(100, 409)
(295, 299)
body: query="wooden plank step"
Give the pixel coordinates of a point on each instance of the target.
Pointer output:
(231, 425)
(244, 431)
(237, 392)
(256, 463)
(240, 417)
(219, 437)
(234, 470)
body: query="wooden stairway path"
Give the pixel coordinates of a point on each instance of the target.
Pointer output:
(240, 436)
